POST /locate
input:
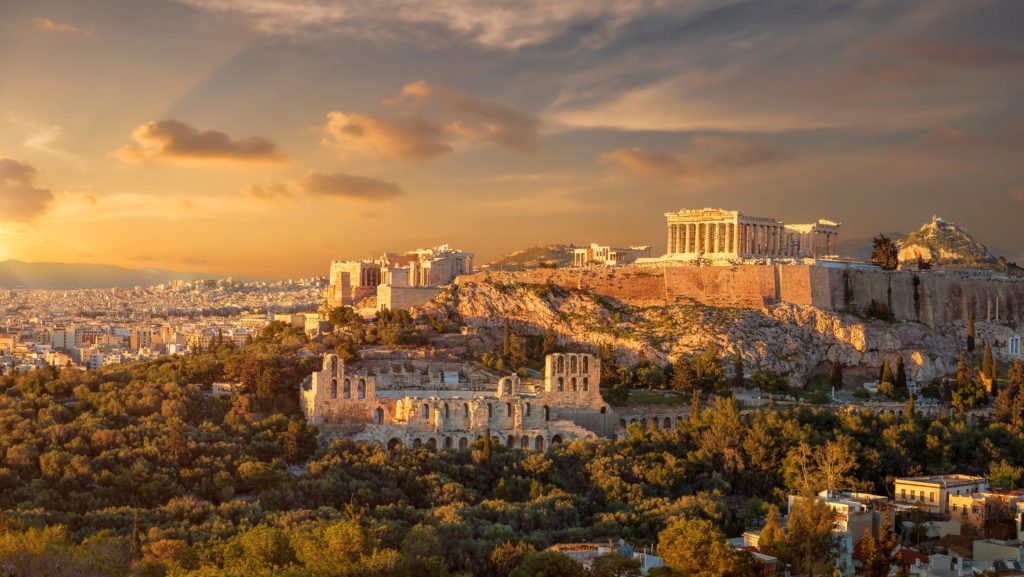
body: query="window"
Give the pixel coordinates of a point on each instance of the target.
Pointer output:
(490, 411)
(931, 496)
(361, 389)
(547, 413)
(561, 364)
(444, 408)
(903, 494)
(378, 416)
(334, 388)
(572, 364)
(586, 382)
(913, 494)
(426, 411)
(586, 369)
(346, 392)
(465, 410)
(572, 384)
(561, 384)
(508, 409)
(527, 409)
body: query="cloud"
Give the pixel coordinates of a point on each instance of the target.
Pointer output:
(276, 193)
(20, 199)
(342, 186)
(494, 25)
(476, 120)
(174, 140)
(708, 155)
(431, 120)
(408, 138)
(51, 26)
(331, 185)
(654, 162)
(962, 53)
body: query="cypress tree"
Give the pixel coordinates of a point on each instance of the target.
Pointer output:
(901, 373)
(737, 370)
(908, 408)
(835, 378)
(988, 363)
(487, 444)
(506, 341)
(886, 373)
(961, 372)
(695, 406)
(970, 333)
(1015, 375)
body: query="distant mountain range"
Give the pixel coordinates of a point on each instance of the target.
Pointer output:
(52, 275)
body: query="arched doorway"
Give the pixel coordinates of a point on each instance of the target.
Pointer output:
(511, 443)
(447, 442)
(524, 443)
(417, 443)
(538, 443)
(668, 423)
(432, 443)
(463, 443)
(394, 445)
(556, 440)
(378, 416)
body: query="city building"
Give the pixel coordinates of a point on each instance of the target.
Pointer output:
(586, 553)
(596, 254)
(932, 493)
(856, 515)
(718, 234)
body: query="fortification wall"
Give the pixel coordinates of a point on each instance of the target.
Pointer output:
(931, 298)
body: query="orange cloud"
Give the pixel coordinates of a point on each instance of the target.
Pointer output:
(334, 185)
(715, 154)
(20, 199)
(347, 187)
(431, 119)
(409, 138)
(174, 140)
(476, 120)
(51, 26)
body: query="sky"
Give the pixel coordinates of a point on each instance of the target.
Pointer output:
(265, 138)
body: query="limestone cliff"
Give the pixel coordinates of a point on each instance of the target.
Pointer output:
(795, 340)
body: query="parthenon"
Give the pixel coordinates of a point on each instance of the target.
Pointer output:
(730, 234)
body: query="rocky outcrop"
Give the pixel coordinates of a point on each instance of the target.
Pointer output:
(794, 340)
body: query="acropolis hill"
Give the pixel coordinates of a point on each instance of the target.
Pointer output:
(769, 292)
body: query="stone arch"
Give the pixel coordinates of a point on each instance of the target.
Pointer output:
(538, 443)
(346, 389)
(425, 411)
(511, 443)
(586, 368)
(667, 423)
(361, 389)
(556, 440)
(547, 413)
(334, 388)
(604, 410)
(447, 443)
(417, 443)
(622, 423)
(463, 443)
(586, 383)
(573, 365)
(394, 445)
(432, 443)
(524, 443)
(508, 409)
(378, 416)
(561, 384)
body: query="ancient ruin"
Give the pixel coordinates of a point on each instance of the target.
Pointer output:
(719, 234)
(397, 400)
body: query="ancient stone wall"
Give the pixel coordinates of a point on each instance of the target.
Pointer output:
(931, 298)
